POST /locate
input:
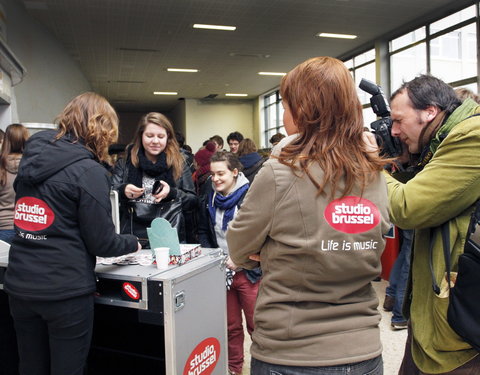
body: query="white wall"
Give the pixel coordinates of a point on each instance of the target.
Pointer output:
(204, 119)
(53, 78)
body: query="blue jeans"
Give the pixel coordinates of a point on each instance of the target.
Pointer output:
(399, 276)
(7, 235)
(370, 367)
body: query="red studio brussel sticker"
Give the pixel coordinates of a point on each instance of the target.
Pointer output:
(131, 291)
(33, 214)
(352, 215)
(204, 358)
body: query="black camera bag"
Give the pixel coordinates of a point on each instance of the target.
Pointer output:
(464, 303)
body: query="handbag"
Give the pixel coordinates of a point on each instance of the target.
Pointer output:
(464, 305)
(141, 214)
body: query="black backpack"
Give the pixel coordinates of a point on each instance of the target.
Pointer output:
(464, 304)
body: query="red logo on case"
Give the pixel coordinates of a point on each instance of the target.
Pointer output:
(33, 214)
(131, 291)
(204, 358)
(352, 215)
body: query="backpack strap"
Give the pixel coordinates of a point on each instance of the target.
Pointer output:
(445, 229)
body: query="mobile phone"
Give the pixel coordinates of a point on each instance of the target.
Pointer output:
(157, 187)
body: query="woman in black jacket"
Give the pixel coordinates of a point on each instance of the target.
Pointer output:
(62, 221)
(153, 159)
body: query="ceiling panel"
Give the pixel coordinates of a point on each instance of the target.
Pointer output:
(125, 46)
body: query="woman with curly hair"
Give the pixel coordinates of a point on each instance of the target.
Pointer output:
(62, 222)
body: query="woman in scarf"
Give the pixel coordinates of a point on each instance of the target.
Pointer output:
(221, 202)
(153, 156)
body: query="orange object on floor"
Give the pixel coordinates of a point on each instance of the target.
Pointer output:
(390, 254)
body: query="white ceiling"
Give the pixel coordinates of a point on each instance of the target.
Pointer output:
(124, 46)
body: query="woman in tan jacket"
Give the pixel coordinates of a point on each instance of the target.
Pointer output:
(316, 215)
(15, 137)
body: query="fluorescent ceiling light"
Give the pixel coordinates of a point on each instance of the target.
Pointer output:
(341, 36)
(233, 94)
(182, 70)
(165, 93)
(214, 27)
(271, 73)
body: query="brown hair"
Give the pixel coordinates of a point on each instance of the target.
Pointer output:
(13, 143)
(175, 159)
(229, 158)
(324, 104)
(90, 118)
(464, 93)
(218, 140)
(246, 146)
(274, 139)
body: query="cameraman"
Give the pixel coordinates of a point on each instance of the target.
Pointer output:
(432, 122)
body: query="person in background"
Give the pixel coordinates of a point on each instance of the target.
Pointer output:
(218, 142)
(234, 140)
(202, 161)
(14, 142)
(10, 154)
(274, 139)
(154, 155)
(250, 158)
(185, 150)
(2, 135)
(464, 93)
(402, 168)
(63, 220)
(395, 291)
(316, 216)
(188, 212)
(219, 205)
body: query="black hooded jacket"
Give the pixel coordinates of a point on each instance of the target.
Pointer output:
(62, 221)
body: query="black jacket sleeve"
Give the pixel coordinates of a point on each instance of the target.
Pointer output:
(186, 189)
(98, 232)
(206, 231)
(119, 178)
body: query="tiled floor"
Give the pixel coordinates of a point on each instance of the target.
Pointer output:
(393, 341)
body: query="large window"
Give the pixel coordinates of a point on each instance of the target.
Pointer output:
(272, 117)
(446, 48)
(363, 66)
(407, 63)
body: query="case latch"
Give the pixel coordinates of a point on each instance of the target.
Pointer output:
(179, 300)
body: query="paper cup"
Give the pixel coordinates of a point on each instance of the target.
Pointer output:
(162, 256)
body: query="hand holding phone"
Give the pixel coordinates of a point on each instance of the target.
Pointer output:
(157, 187)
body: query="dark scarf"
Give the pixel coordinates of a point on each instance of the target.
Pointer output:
(158, 170)
(225, 203)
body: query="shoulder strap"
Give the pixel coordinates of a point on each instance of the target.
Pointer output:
(445, 229)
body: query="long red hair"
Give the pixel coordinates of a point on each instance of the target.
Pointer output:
(324, 104)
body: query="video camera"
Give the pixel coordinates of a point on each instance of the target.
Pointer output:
(382, 128)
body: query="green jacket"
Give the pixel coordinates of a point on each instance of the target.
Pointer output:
(445, 190)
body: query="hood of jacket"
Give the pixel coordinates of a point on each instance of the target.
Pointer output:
(241, 180)
(249, 160)
(44, 156)
(465, 110)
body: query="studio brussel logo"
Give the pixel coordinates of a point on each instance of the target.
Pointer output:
(352, 214)
(33, 214)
